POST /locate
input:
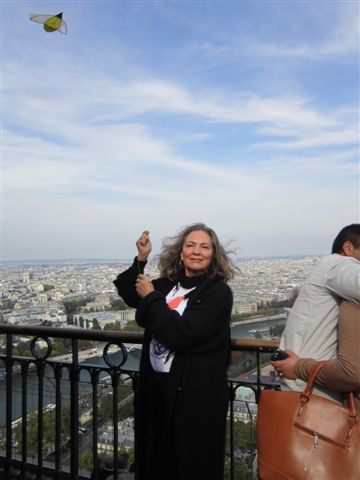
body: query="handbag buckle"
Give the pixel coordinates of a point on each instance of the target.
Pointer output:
(316, 440)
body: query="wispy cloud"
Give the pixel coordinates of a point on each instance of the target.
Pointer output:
(334, 28)
(120, 101)
(96, 147)
(336, 164)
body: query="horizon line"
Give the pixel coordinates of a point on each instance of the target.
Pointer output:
(130, 259)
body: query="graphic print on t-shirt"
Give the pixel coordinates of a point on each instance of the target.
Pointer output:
(160, 356)
(173, 304)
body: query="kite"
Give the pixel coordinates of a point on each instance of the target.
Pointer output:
(51, 23)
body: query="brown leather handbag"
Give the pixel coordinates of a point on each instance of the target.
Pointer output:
(302, 436)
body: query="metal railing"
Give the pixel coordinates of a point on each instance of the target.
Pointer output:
(40, 387)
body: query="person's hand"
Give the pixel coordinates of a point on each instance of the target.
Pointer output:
(143, 286)
(144, 246)
(285, 368)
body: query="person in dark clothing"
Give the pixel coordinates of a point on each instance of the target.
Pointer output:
(123, 468)
(181, 400)
(106, 467)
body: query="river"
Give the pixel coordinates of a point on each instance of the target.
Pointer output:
(243, 330)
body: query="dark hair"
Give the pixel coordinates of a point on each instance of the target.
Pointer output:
(123, 460)
(170, 264)
(351, 233)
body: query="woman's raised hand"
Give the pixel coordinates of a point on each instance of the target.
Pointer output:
(144, 246)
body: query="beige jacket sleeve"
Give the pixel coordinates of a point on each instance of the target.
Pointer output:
(343, 372)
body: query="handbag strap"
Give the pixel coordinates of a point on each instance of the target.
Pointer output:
(310, 385)
(312, 377)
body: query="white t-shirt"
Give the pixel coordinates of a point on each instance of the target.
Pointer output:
(161, 357)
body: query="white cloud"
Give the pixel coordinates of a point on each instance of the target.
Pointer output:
(318, 139)
(321, 32)
(340, 36)
(331, 164)
(96, 148)
(82, 108)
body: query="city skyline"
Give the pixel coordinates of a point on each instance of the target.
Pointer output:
(152, 261)
(154, 115)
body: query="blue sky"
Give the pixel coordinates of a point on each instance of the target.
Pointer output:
(154, 115)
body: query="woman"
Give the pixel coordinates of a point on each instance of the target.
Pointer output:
(340, 374)
(182, 396)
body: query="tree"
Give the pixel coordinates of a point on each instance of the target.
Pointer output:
(86, 460)
(132, 326)
(277, 330)
(72, 306)
(118, 304)
(244, 436)
(106, 407)
(48, 431)
(96, 324)
(32, 429)
(61, 346)
(113, 326)
(242, 470)
(22, 349)
(48, 287)
(46, 323)
(66, 422)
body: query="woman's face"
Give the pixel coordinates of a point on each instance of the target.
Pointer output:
(196, 253)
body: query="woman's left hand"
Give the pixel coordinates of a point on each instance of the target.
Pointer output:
(143, 286)
(285, 368)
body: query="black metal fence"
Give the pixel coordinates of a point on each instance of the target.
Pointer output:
(55, 399)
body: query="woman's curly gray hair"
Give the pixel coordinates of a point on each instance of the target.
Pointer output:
(169, 259)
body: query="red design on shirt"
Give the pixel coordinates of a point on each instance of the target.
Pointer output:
(175, 302)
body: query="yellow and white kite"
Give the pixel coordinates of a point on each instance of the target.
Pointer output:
(52, 23)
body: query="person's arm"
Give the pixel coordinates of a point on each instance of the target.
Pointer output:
(126, 281)
(344, 279)
(342, 373)
(199, 325)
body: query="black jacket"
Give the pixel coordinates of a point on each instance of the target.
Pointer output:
(197, 388)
